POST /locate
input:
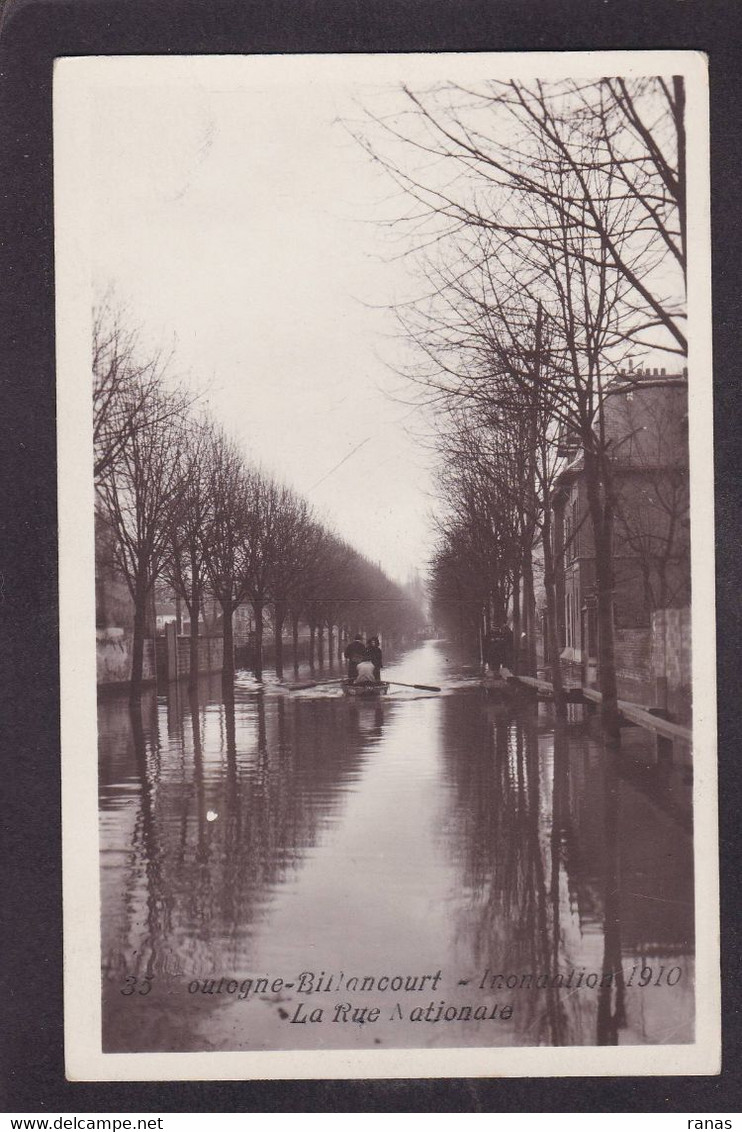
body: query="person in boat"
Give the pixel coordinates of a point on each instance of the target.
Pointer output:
(373, 650)
(366, 672)
(354, 652)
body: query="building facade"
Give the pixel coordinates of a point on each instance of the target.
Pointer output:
(645, 419)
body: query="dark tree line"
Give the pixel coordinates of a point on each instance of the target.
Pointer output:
(183, 505)
(547, 222)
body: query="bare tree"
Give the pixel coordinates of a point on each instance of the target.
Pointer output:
(296, 538)
(306, 582)
(185, 566)
(141, 492)
(561, 198)
(127, 381)
(519, 414)
(456, 590)
(266, 519)
(334, 569)
(230, 486)
(492, 505)
(469, 157)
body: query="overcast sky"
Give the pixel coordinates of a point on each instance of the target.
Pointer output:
(238, 224)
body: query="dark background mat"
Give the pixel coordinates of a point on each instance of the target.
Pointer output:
(32, 33)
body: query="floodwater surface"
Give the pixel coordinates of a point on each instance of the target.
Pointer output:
(298, 870)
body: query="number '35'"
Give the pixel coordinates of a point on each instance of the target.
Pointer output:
(134, 985)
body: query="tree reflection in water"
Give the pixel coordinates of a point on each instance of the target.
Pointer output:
(226, 807)
(554, 846)
(550, 864)
(611, 995)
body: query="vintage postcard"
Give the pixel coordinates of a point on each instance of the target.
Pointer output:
(386, 529)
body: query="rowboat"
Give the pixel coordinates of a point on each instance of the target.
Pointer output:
(365, 690)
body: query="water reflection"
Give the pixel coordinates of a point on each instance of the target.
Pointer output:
(245, 831)
(562, 856)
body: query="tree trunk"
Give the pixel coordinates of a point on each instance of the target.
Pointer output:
(321, 645)
(193, 666)
(606, 639)
(228, 636)
(552, 632)
(516, 623)
(141, 594)
(193, 612)
(279, 616)
(601, 516)
(258, 661)
(312, 633)
(295, 640)
(529, 613)
(330, 644)
(679, 92)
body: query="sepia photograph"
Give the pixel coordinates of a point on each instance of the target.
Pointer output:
(386, 566)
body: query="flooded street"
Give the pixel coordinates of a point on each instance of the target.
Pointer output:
(296, 870)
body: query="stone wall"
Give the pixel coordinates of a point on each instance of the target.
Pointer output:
(653, 666)
(671, 662)
(633, 668)
(113, 649)
(114, 652)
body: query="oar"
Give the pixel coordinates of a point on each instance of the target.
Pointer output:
(311, 684)
(419, 687)
(397, 684)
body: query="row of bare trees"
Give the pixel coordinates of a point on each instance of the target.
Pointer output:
(184, 506)
(548, 224)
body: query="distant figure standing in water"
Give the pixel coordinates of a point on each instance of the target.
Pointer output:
(354, 652)
(373, 652)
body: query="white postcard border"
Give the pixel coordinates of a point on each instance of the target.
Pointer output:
(75, 84)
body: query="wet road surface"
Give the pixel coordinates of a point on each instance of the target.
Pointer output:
(295, 870)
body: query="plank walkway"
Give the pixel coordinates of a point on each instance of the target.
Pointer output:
(634, 713)
(573, 693)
